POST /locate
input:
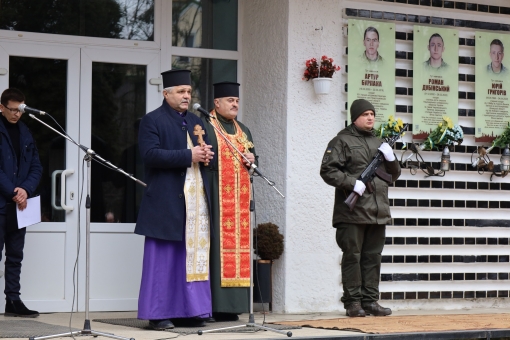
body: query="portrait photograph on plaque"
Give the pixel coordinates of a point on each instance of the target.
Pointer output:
(492, 80)
(371, 58)
(435, 78)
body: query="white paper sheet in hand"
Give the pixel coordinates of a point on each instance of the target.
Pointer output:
(31, 214)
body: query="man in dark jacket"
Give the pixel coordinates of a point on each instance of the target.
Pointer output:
(360, 233)
(174, 213)
(20, 172)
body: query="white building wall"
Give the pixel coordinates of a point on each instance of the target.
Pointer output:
(312, 267)
(265, 54)
(291, 127)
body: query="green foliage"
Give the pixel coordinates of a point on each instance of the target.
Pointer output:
(504, 139)
(93, 18)
(116, 19)
(267, 241)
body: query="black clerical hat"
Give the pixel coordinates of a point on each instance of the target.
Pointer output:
(176, 78)
(226, 89)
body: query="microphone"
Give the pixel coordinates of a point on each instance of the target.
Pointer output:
(198, 108)
(24, 108)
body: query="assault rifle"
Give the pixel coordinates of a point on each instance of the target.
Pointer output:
(373, 170)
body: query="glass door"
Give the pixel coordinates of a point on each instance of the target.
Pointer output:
(98, 96)
(115, 94)
(49, 77)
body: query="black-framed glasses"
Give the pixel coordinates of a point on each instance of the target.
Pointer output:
(16, 110)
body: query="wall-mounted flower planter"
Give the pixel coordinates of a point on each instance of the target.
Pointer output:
(322, 85)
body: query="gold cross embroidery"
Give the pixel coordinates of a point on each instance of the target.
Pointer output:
(245, 224)
(228, 224)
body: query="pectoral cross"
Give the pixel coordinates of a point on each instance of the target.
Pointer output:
(199, 132)
(244, 141)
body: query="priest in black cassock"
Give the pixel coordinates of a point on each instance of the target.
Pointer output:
(229, 183)
(174, 213)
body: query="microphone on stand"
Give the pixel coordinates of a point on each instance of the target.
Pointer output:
(24, 108)
(198, 108)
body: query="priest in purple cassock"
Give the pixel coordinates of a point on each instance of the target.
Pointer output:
(174, 212)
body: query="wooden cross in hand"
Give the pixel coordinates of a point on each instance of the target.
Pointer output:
(199, 132)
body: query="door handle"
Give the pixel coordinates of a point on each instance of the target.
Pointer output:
(53, 182)
(63, 189)
(54, 175)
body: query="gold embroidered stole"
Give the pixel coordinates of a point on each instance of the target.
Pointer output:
(234, 201)
(197, 225)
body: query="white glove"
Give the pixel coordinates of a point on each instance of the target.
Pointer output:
(359, 187)
(387, 151)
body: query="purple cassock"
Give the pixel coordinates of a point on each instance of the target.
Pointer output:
(164, 292)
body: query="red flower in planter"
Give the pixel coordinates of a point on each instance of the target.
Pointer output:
(327, 68)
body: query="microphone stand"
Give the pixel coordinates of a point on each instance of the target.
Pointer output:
(251, 319)
(89, 155)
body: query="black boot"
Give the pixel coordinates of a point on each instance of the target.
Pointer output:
(375, 309)
(189, 322)
(18, 308)
(354, 310)
(209, 319)
(160, 325)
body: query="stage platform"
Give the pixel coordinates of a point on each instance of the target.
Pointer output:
(62, 320)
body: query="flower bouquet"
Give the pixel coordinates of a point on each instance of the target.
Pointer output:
(391, 128)
(445, 134)
(501, 141)
(326, 69)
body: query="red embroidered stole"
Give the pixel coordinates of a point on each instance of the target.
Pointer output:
(234, 199)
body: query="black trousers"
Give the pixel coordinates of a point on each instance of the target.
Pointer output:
(14, 240)
(362, 245)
